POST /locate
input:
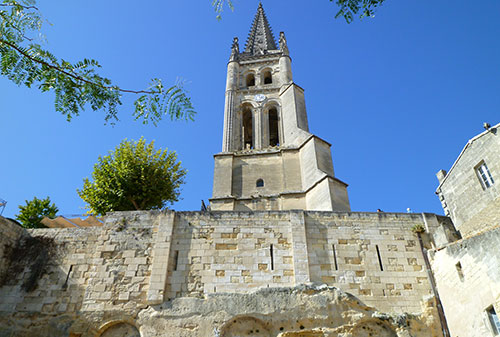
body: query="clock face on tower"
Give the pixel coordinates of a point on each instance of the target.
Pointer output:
(260, 98)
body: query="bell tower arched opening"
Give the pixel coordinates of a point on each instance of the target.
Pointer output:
(274, 138)
(250, 80)
(247, 127)
(267, 77)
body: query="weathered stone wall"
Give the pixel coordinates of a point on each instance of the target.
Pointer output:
(10, 233)
(467, 274)
(140, 261)
(316, 311)
(100, 268)
(229, 252)
(461, 193)
(344, 251)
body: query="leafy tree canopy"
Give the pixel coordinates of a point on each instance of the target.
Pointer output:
(134, 176)
(348, 9)
(31, 214)
(75, 85)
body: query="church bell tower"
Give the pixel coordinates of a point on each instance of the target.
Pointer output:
(269, 160)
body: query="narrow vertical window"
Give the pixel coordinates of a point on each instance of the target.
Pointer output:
(379, 259)
(484, 175)
(176, 259)
(460, 271)
(274, 139)
(65, 285)
(247, 128)
(494, 321)
(272, 257)
(335, 258)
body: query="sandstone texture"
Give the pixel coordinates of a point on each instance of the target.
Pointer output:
(209, 273)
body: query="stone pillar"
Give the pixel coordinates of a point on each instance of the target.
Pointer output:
(299, 247)
(161, 253)
(257, 127)
(233, 69)
(285, 70)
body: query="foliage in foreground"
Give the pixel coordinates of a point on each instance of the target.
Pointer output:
(31, 214)
(134, 176)
(348, 9)
(75, 85)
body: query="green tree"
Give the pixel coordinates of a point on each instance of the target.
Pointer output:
(348, 9)
(75, 85)
(134, 176)
(31, 215)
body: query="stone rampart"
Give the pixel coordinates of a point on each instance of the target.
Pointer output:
(142, 260)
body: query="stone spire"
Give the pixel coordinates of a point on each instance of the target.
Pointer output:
(261, 38)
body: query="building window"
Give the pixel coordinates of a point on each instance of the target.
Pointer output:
(260, 183)
(250, 80)
(493, 317)
(484, 175)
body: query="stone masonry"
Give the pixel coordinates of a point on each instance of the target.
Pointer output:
(138, 261)
(472, 206)
(468, 279)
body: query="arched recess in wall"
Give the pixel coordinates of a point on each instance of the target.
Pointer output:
(274, 134)
(250, 80)
(119, 329)
(247, 126)
(259, 183)
(267, 76)
(245, 326)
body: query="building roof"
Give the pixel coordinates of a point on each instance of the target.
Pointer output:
(63, 222)
(463, 151)
(261, 38)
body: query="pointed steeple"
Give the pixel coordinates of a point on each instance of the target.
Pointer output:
(261, 38)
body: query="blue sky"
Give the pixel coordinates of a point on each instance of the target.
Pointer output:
(398, 96)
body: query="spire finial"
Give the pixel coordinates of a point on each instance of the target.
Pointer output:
(261, 38)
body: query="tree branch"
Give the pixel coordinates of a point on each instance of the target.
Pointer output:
(16, 4)
(9, 24)
(134, 203)
(76, 77)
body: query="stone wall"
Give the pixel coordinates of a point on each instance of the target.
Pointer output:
(373, 256)
(98, 268)
(151, 263)
(467, 274)
(10, 233)
(312, 311)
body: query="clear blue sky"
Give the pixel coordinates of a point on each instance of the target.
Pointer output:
(398, 96)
